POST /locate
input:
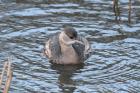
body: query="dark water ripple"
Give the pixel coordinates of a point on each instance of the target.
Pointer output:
(114, 66)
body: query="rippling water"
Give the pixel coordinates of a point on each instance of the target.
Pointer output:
(113, 68)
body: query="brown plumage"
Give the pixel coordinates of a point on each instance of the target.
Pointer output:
(67, 47)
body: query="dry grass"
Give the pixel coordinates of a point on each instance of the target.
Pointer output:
(6, 77)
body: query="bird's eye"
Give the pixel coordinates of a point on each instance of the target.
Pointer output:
(71, 37)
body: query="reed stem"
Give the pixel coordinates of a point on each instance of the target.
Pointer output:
(6, 76)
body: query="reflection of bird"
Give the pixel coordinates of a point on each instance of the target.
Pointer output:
(67, 47)
(66, 74)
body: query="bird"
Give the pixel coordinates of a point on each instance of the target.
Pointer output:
(67, 47)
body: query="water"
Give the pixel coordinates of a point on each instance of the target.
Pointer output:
(113, 68)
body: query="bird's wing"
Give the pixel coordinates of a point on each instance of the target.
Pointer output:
(79, 48)
(83, 50)
(54, 46)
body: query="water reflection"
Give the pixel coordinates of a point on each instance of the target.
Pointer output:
(66, 72)
(114, 65)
